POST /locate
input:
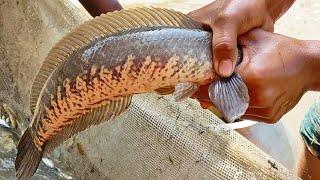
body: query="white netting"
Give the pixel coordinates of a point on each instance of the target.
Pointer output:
(160, 139)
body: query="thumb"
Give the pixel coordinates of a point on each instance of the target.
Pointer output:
(224, 44)
(200, 18)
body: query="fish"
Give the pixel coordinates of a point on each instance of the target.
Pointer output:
(91, 74)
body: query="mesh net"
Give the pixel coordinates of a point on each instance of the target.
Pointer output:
(158, 138)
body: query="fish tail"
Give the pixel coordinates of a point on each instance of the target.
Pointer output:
(28, 157)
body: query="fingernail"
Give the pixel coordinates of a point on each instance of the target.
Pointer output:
(225, 67)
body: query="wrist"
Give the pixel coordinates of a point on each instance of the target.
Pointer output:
(310, 53)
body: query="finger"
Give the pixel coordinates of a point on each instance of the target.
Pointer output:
(198, 15)
(255, 35)
(264, 115)
(282, 110)
(202, 93)
(268, 25)
(270, 114)
(255, 118)
(260, 112)
(205, 105)
(224, 48)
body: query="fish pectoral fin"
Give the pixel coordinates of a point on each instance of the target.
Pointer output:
(108, 111)
(165, 90)
(184, 90)
(230, 96)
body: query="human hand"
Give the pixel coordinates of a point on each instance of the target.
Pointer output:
(277, 71)
(97, 7)
(228, 19)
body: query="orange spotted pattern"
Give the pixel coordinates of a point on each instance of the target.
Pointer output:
(101, 84)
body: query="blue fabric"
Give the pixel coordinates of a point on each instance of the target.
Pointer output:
(310, 129)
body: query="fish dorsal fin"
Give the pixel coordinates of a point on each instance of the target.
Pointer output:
(108, 111)
(102, 27)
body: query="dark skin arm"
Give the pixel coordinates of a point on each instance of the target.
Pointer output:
(278, 70)
(97, 7)
(308, 166)
(276, 82)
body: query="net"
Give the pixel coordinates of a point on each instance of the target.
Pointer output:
(158, 138)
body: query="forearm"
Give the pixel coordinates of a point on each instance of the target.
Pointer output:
(97, 7)
(309, 162)
(311, 54)
(308, 165)
(277, 8)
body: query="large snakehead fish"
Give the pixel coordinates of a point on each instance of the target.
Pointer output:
(90, 75)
